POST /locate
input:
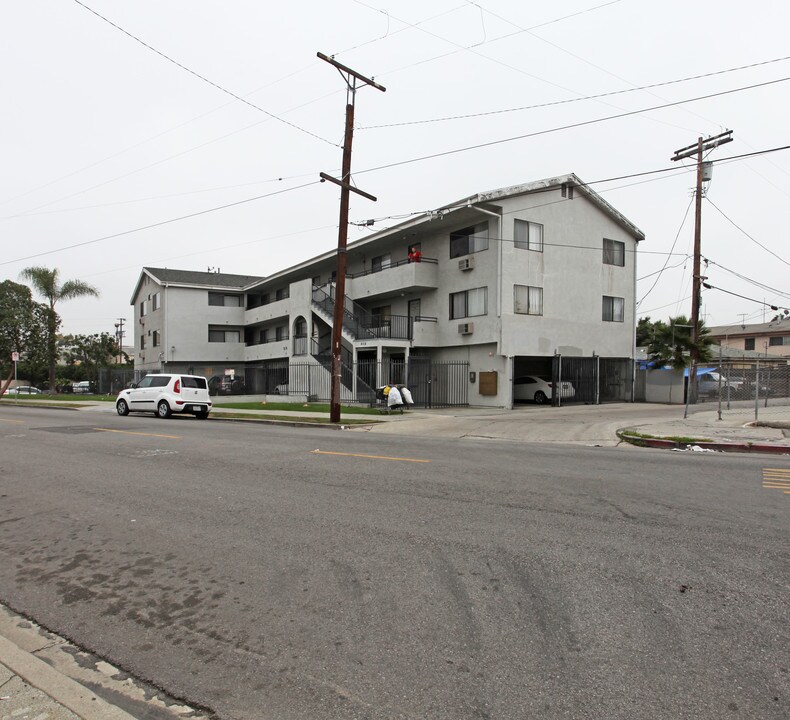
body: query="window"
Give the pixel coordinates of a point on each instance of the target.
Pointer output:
(382, 262)
(142, 342)
(613, 252)
(781, 340)
(613, 309)
(263, 336)
(220, 335)
(469, 303)
(748, 344)
(224, 300)
(281, 333)
(193, 382)
(282, 293)
(528, 235)
(156, 301)
(469, 240)
(527, 300)
(143, 308)
(317, 281)
(156, 340)
(159, 380)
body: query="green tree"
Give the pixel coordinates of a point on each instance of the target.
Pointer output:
(91, 352)
(671, 344)
(23, 329)
(46, 283)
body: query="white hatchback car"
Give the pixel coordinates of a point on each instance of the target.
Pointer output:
(540, 388)
(163, 394)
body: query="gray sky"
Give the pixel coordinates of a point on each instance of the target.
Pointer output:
(101, 135)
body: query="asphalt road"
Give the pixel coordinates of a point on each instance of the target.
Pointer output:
(279, 574)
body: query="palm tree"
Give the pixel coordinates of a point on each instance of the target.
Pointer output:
(45, 282)
(671, 344)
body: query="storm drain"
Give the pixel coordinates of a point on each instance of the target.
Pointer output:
(66, 430)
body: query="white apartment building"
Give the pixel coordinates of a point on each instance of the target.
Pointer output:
(534, 279)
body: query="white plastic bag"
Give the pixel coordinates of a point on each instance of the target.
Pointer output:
(406, 394)
(394, 397)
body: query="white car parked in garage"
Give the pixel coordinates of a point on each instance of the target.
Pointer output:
(540, 388)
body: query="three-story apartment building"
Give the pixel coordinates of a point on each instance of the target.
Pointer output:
(535, 279)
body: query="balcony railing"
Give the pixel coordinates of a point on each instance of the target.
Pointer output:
(389, 266)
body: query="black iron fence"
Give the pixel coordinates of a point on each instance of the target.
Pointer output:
(593, 379)
(432, 384)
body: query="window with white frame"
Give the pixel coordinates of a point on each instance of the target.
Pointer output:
(142, 342)
(143, 308)
(469, 303)
(156, 301)
(527, 300)
(469, 240)
(156, 339)
(528, 235)
(223, 335)
(613, 252)
(613, 309)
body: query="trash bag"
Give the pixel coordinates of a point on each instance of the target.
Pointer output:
(394, 397)
(406, 395)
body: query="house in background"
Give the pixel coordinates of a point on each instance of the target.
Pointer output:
(769, 340)
(534, 279)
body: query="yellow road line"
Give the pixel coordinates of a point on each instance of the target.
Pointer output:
(781, 470)
(129, 432)
(371, 457)
(777, 476)
(777, 486)
(20, 422)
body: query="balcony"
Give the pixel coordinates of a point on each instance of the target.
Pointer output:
(394, 279)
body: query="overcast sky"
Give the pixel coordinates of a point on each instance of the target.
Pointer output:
(102, 136)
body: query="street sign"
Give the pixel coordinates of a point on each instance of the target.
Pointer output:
(15, 356)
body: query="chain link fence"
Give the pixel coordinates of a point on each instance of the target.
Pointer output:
(740, 388)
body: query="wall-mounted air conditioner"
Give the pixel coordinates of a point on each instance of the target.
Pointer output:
(466, 263)
(466, 328)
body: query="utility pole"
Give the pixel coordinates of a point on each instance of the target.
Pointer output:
(698, 148)
(351, 78)
(119, 333)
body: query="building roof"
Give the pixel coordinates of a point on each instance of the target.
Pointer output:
(192, 278)
(776, 327)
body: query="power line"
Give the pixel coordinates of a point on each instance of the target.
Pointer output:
(708, 286)
(203, 78)
(572, 100)
(157, 224)
(756, 283)
(747, 234)
(583, 123)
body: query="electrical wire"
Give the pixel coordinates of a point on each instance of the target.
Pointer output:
(571, 100)
(205, 79)
(756, 283)
(548, 131)
(680, 229)
(157, 224)
(732, 222)
(708, 286)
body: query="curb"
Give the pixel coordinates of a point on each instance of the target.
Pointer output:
(664, 444)
(61, 689)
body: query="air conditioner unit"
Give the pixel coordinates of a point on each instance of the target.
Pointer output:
(466, 328)
(466, 263)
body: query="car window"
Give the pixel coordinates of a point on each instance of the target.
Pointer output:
(145, 382)
(160, 381)
(194, 382)
(545, 378)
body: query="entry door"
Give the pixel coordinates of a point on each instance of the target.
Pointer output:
(414, 309)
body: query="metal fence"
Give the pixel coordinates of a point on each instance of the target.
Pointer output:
(594, 379)
(432, 384)
(743, 388)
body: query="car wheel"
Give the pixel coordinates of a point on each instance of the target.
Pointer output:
(163, 409)
(122, 408)
(540, 397)
(202, 415)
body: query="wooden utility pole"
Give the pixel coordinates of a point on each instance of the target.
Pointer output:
(698, 148)
(351, 77)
